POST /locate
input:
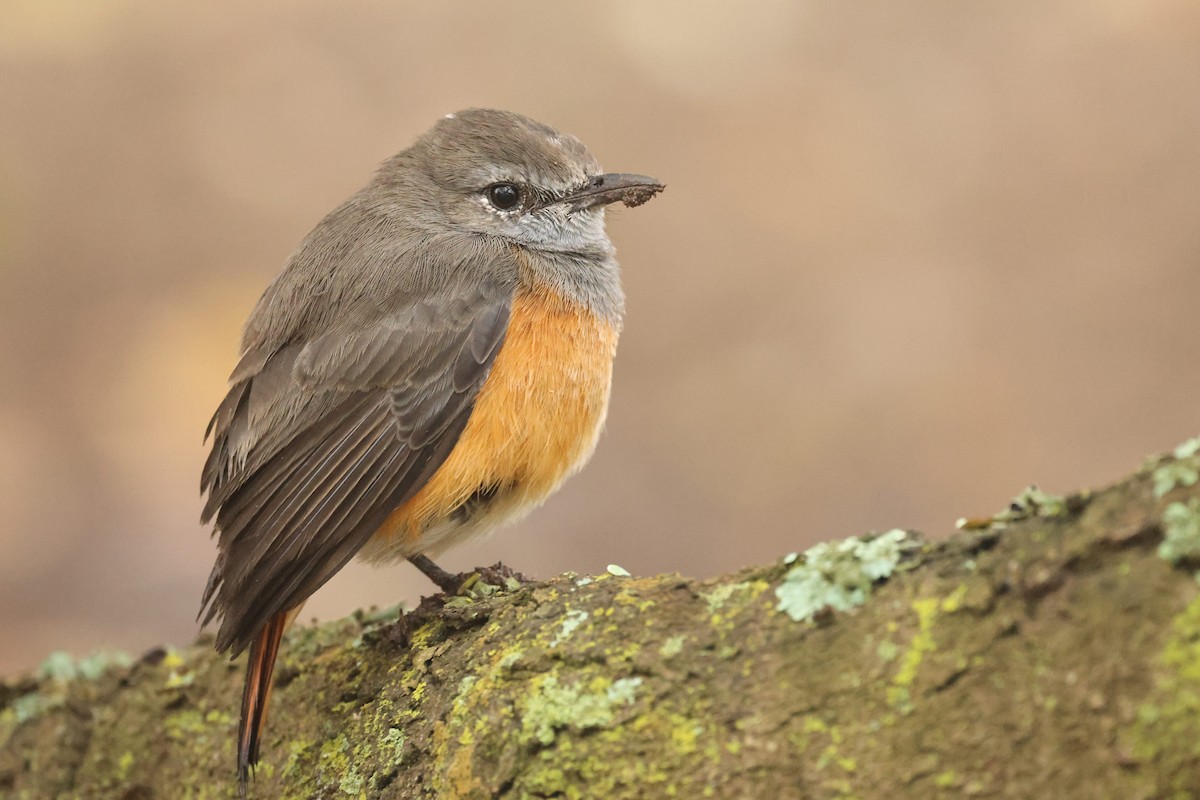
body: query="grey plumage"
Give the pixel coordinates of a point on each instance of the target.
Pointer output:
(362, 360)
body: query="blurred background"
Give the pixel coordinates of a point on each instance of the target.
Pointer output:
(912, 258)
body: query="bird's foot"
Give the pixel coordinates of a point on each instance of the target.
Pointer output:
(496, 576)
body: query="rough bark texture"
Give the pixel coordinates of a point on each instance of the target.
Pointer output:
(1052, 651)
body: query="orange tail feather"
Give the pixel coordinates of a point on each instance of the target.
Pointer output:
(256, 694)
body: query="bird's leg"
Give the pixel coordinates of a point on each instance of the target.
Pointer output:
(497, 575)
(445, 581)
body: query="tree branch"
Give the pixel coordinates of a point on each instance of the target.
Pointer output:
(1052, 651)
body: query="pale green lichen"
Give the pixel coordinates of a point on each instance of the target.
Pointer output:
(1183, 471)
(32, 705)
(352, 782)
(1181, 521)
(1032, 502)
(672, 647)
(176, 680)
(60, 666)
(717, 598)
(57, 672)
(461, 706)
(618, 571)
(553, 705)
(1171, 713)
(838, 575)
(510, 659)
(1188, 449)
(1174, 473)
(571, 621)
(336, 766)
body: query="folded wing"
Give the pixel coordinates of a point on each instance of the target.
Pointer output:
(318, 441)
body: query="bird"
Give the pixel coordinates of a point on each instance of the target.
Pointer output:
(432, 362)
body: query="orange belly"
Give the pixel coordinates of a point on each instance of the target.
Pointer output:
(535, 422)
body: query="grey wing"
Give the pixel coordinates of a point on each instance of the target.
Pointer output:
(318, 442)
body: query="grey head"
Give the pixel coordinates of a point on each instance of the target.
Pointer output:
(486, 173)
(484, 194)
(502, 174)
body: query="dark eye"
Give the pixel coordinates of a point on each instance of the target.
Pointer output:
(504, 196)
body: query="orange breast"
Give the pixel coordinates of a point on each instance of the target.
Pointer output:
(536, 421)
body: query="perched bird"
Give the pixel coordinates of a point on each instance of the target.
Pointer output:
(433, 361)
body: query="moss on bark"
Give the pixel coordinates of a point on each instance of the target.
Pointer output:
(1053, 651)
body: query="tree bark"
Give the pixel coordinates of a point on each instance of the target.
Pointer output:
(1052, 651)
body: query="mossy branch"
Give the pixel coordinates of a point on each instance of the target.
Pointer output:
(1051, 651)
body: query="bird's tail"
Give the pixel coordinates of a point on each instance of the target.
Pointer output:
(256, 693)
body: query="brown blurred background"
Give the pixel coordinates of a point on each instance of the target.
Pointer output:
(912, 258)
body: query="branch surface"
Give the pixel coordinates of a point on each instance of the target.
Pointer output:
(1050, 651)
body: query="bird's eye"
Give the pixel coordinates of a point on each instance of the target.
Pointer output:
(504, 196)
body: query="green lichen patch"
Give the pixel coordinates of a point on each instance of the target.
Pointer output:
(1032, 502)
(1171, 715)
(899, 694)
(30, 706)
(554, 705)
(60, 666)
(1175, 473)
(1188, 449)
(1181, 523)
(672, 646)
(571, 620)
(719, 596)
(1182, 470)
(838, 575)
(57, 674)
(943, 685)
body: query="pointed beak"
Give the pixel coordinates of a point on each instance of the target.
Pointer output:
(632, 190)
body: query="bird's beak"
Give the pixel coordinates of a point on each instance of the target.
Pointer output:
(632, 190)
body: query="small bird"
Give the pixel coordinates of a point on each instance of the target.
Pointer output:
(432, 362)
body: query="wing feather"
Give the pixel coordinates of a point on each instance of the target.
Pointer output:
(317, 443)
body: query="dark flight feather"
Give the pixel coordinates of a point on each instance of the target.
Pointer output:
(312, 452)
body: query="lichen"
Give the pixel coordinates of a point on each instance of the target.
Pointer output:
(60, 666)
(336, 767)
(946, 779)
(672, 647)
(838, 575)
(177, 680)
(1032, 502)
(1171, 714)
(1175, 473)
(1181, 521)
(1188, 449)
(899, 694)
(717, 598)
(553, 705)
(571, 620)
(32, 705)
(124, 764)
(1184, 470)
(812, 729)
